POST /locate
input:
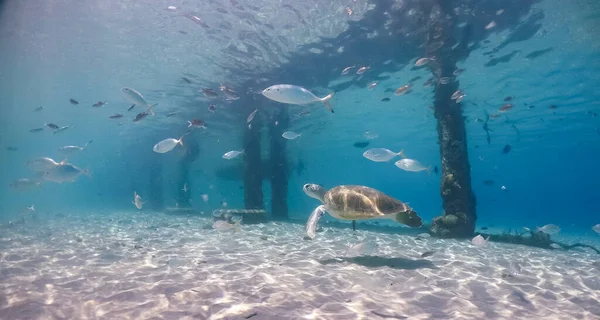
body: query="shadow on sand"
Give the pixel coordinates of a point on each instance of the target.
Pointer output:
(376, 262)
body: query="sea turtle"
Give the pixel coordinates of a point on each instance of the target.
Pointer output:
(351, 202)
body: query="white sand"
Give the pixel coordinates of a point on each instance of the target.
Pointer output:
(153, 266)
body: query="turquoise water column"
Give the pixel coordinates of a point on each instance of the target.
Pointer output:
(457, 196)
(155, 195)
(279, 164)
(253, 193)
(184, 182)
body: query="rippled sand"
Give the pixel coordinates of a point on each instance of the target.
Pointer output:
(154, 266)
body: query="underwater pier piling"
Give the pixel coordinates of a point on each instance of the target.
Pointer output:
(457, 196)
(253, 193)
(279, 164)
(183, 175)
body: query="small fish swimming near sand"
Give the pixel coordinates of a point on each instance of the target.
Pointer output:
(42, 164)
(423, 61)
(251, 116)
(130, 108)
(362, 249)
(37, 130)
(549, 229)
(72, 149)
(65, 172)
(596, 228)
(140, 116)
(555, 246)
(208, 92)
(212, 108)
(291, 94)
(137, 200)
(412, 165)
(290, 135)
(232, 154)
(73, 101)
(137, 99)
(27, 210)
(427, 253)
(99, 104)
(423, 235)
(167, 145)
(52, 126)
(479, 241)
(61, 129)
(402, 90)
(372, 85)
(222, 225)
(196, 123)
(116, 116)
(382, 154)
(370, 135)
(362, 70)
(347, 70)
(24, 184)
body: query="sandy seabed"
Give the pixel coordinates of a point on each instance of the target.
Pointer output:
(157, 266)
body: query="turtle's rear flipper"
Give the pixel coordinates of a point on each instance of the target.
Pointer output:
(311, 224)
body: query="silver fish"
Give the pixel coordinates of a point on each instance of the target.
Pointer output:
(412, 165)
(251, 116)
(137, 99)
(290, 135)
(550, 229)
(291, 94)
(382, 154)
(232, 154)
(65, 172)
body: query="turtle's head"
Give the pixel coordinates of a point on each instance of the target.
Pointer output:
(315, 191)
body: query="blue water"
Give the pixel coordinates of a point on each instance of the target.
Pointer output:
(540, 53)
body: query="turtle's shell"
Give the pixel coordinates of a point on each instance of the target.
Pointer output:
(360, 202)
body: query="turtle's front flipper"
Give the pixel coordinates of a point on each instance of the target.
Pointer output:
(311, 224)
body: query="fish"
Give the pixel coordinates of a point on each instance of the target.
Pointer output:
(555, 246)
(456, 94)
(370, 135)
(435, 169)
(24, 184)
(423, 235)
(382, 154)
(423, 61)
(38, 109)
(361, 144)
(291, 94)
(230, 94)
(402, 90)
(212, 108)
(427, 253)
(185, 188)
(140, 116)
(490, 25)
(43, 164)
(167, 145)
(73, 149)
(499, 12)
(549, 229)
(116, 116)
(362, 70)
(489, 182)
(52, 126)
(130, 108)
(479, 241)
(73, 101)
(347, 70)
(503, 188)
(204, 198)
(137, 99)
(232, 154)
(186, 80)
(458, 71)
(505, 107)
(506, 149)
(414, 79)
(208, 92)
(428, 82)
(137, 201)
(508, 98)
(37, 130)
(99, 104)
(27, 210)
(251, 116)
(65, 172)
(61, 129)
(362, 249)
(290, 135)
(596, 228)
(386, 99)
(170, 114)
(222, 225)
(484, 228)
(412, 165)
(196, 123)
(348, 11)
(460, 98)
(372, 85)
(12, 148)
